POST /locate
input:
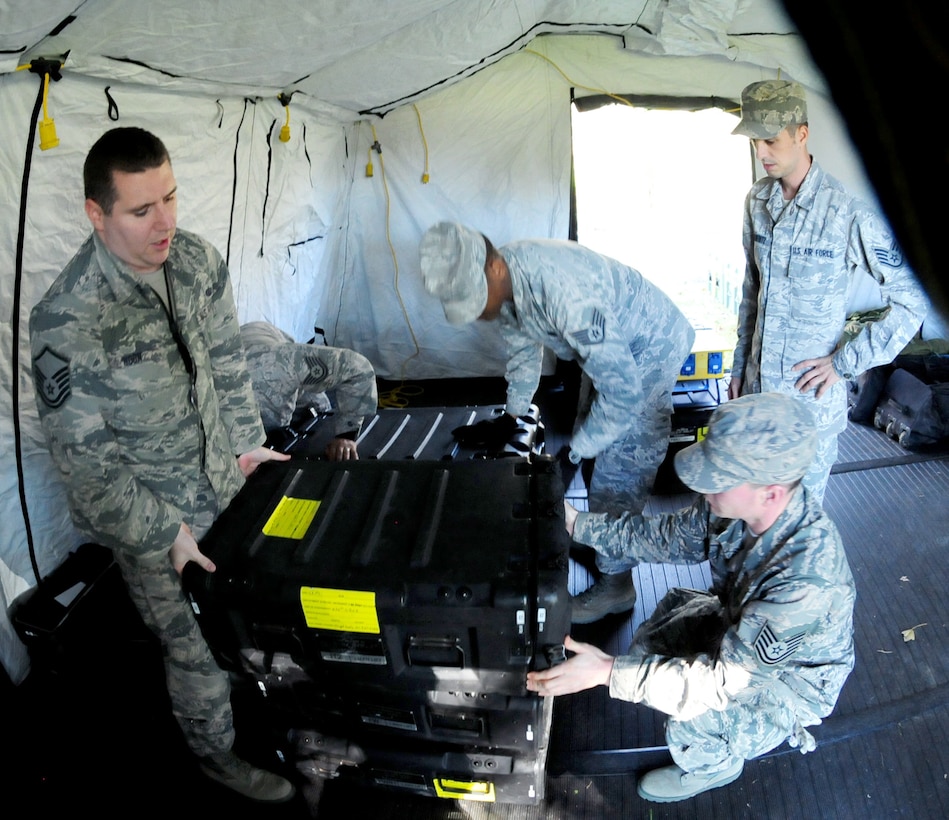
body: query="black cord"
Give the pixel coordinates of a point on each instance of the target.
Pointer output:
(15, 324)
(113, 105)
(230, 222)
(263, 214)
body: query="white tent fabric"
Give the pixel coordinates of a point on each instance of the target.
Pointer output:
(475, 94)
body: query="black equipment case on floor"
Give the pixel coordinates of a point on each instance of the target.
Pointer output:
(509, 723)
(78, 614)
(413, 576)
(693, 403)
(455, 771)
(396, 608)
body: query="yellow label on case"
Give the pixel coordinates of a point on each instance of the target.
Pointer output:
(292, 518)
(465, 790)
(342, 610)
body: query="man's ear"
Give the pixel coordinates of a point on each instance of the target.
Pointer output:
(776, 493)
(802, 133)
(496, 271)
(95, 214)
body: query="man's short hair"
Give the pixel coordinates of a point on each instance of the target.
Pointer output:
(129, 150)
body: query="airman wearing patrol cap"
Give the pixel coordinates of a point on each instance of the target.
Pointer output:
(452, 259)
(628, 337)
(768, 107)
(765, 652)
(806, 240)
(765, 438)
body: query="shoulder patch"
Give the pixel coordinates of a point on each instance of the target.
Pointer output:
(316, 367)
(595, 333)
(51, 373)
(892, 257)
(771, 649)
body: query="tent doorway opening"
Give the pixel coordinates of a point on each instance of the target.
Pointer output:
(662, 191)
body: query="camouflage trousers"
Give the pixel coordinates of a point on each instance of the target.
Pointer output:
(746, 729)
(688, 623)
(624, 472)
(815, 480)
(198, 689)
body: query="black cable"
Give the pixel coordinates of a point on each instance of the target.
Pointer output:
(306, 153)
(230, 221)
(834, 729)
(889, 461)
(263, 214)
(15, 325)
(113, 105)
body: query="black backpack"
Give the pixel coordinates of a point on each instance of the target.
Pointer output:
(913, 411)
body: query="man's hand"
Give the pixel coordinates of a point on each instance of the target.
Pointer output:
(186, 549)
(570, 514)
(589, 667)
(248, 462)
(819, 375)
(734, 387)
(341, 449)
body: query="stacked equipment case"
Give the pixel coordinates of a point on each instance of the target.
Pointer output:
(398, 606)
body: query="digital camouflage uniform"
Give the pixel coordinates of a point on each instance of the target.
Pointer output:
(143, 446)
(801, 260)
(287, 375)
(788, 641)
(630, 341)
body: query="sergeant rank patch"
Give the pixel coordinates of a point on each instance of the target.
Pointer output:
(317, 369)
(771, 649)
(595, 333)
(892, 256)
(51, 372)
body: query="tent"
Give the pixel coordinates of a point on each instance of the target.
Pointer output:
(313, 143)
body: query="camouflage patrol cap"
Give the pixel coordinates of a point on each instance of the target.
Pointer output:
(452, 259)
(770, 106)
(762, 438)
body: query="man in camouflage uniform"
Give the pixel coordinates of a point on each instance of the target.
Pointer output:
(148, 410)
(766, 653)
(806, 239)
(627, 335)
(288, 375)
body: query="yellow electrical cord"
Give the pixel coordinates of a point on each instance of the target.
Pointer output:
(421, 132)
(395, 259)
(576, 84)
(48, 138)
(601, 90)
(399, 396)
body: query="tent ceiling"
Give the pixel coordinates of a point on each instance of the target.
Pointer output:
(339, 56)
